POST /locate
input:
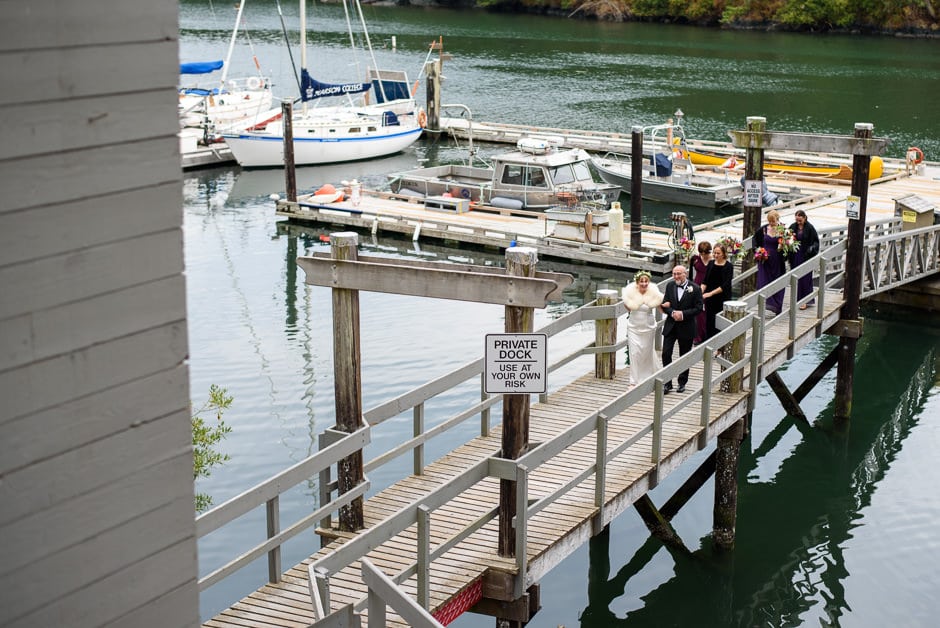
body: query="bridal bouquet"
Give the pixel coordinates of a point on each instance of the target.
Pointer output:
(760, 255)
(787, 243)
(733, 246)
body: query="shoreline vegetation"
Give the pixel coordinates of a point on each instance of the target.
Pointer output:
(899, 18)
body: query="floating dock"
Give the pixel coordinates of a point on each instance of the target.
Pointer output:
(823, 200)
(482, 225)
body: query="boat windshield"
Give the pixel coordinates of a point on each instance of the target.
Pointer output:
(570, 173)
(532, 176)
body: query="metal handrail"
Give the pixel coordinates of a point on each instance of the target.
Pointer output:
(926, 241)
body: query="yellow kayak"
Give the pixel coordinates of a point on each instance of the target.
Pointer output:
(829, 171)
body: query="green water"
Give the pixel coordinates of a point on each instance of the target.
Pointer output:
(834, 527)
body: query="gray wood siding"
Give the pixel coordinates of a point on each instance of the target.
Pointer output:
(96, 526)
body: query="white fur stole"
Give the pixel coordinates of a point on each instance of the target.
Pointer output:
(633, 298)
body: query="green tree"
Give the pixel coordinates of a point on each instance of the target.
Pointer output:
(206, 438)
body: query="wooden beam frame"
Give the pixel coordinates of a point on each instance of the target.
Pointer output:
(431, 279)
(809, 142)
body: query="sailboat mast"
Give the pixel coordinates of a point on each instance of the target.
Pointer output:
(303, 46)
(365, 31)
(231, 43)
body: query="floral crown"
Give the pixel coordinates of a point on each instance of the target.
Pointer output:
(642, 273)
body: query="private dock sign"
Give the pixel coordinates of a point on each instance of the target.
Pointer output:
(515, 363)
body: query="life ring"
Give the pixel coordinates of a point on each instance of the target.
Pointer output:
(253, 82)
(422, 118)
(915, 155)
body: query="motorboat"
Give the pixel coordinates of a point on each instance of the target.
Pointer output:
(671, 180)
(539, 174)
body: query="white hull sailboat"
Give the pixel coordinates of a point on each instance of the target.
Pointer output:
(325, 141)
(222, 102)
(323, 135)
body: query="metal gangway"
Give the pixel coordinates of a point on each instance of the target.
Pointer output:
(428, 550)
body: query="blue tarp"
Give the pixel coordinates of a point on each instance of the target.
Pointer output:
(200, 67)
(310, 88)
(663, 165)
(198, 91)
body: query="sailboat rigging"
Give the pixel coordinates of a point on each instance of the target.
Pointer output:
(228, 101)
(352, 131)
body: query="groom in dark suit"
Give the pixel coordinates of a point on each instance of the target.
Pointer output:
(682, 302)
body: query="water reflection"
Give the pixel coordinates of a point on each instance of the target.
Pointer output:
(789, 565)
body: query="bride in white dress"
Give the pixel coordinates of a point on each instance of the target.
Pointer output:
(641, 297)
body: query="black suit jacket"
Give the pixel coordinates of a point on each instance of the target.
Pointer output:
(690, 303)
(810, 244)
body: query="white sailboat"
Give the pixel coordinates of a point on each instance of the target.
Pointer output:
(225, 101)
(331, 134)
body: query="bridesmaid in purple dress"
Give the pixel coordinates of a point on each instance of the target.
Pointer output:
(809, 246)
(699, 263)
(772, 267)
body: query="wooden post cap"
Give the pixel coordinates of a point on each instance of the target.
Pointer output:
(345, 238)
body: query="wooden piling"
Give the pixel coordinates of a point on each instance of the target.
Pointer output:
(854, 257)
(290, 172)
(658, 525)
(348, 380)
(725, 513)
(786, 398)
(520, 262)
(753, 171)
(433, 94)
(734, 311)
(605, 335)
(636, 189)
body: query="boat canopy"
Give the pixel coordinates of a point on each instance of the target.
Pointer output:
(389, 85)
(200, 67)
(310, 88)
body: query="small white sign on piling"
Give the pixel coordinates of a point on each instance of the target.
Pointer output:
(516, 364)
(852, 205)
(752, 193)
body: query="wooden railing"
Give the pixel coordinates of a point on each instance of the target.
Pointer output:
(910, 255)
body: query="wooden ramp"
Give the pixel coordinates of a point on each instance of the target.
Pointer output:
(471, 569)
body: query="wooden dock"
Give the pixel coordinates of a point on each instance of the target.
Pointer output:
(429, 546)
(495, 228)
(823, 200)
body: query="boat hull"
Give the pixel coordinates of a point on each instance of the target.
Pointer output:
(260, 150)
(680, 189)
